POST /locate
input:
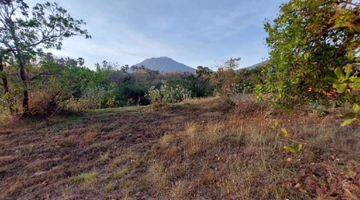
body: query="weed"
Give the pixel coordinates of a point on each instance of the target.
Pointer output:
(111, 187)
(157, 175)
(166, 140)
(123, 159)
(86, 178)
(104, 158)
(120, 174)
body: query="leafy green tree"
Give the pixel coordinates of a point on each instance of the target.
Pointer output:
(308, 41)
(25, 31)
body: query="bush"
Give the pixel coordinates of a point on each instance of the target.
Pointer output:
(168, 94)
(155, 95)
(93, 98)
(130, 94)
(174, 94)
(79, 105)
(44, 104)
(8, 104)
(49, 98)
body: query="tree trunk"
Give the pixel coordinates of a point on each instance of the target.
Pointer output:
(20, 57)
(5, 85)
(25, 103)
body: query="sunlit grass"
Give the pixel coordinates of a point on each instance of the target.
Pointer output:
(86, 178)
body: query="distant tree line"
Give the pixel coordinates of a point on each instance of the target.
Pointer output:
(56, 84)
(314, 59)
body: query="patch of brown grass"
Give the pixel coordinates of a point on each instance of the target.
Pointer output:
(6, 159)
(197, 149)
(158, 177)
(180, 191)
(88, 139)
(244, 158)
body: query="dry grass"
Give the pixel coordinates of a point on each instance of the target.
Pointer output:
(198, 149)
(87, 178)
(120, 174)
(180, 191)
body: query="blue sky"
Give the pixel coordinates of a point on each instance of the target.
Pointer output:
(194, 32)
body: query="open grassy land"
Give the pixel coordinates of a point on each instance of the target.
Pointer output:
(200, 149)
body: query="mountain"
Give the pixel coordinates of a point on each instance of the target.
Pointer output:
(165, 65)
(258, 65)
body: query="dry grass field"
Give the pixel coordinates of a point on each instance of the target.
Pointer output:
(198, 149)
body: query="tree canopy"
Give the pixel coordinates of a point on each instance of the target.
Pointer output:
(25, 32)
(309, 40)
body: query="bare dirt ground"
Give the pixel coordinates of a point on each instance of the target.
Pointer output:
(203, 149)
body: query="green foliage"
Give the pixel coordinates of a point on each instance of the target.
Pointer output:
(204, 85)
(168, 94)
(347, 82)
(308, 41)
(131, 94)
(25, 31)
(295, 149)
(348, 122)
(155, 95)
(353, 117)
(66, 84)
(246, 80)
(174, 94)
(29, 29)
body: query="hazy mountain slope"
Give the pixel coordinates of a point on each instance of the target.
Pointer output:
(165, 65)
(258, 65)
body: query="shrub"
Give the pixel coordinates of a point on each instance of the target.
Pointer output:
(224, 81)
(155, 95)
(174, 94)
(131, 94)
(168, 94)
(49, 98)
(8, 103)
(97, 96)
(79, 105)
(43, 103)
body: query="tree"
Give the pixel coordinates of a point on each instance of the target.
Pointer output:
(225, 78)
(25, 32)
(204, 86)
(308, 41)
(3, 76)
(203, 72)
